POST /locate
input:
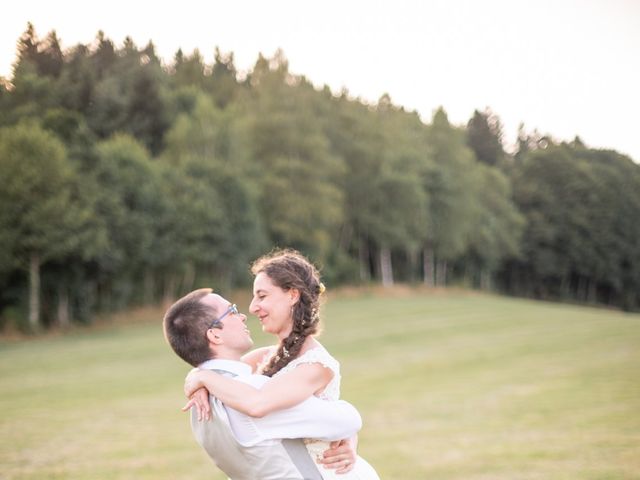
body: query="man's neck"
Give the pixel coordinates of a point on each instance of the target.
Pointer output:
(235, 367)
(224, 354)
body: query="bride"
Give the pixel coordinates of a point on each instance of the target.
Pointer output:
(286, 293)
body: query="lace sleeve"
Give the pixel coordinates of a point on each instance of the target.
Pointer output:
(321, 356)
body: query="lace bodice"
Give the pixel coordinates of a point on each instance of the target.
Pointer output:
(319, 355)
(316, 448)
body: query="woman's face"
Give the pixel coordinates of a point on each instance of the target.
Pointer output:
(272, 305)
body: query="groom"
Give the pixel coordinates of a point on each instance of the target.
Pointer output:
(206, 331)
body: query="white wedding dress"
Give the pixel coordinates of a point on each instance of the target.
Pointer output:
(362, 470)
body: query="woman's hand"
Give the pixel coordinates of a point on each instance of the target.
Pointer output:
(200, 400)
(192, 382)
(341, 456)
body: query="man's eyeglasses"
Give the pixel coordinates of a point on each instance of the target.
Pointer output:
(232, 309)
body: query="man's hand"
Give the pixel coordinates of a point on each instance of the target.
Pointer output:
(341, 456)
(200, 399)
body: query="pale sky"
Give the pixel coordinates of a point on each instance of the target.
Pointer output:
(564, 67)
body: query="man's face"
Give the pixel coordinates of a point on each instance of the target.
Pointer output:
(234, 335)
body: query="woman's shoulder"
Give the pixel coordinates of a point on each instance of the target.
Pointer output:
(259, 357)
(316, 353)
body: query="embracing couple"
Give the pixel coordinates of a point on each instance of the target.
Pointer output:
(272, 413)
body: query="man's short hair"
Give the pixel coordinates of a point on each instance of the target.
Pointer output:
(186, 324)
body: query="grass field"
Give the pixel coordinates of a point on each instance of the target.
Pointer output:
(450, 386)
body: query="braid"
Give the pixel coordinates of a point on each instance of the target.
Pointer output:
(289, 269)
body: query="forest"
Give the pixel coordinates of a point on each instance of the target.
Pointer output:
(126, 182)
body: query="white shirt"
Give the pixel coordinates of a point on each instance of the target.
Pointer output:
(312, 418)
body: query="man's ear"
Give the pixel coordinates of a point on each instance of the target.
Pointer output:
(213, 335)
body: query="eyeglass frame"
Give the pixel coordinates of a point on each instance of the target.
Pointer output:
(233, 308)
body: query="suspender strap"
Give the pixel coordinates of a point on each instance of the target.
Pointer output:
(301, 459)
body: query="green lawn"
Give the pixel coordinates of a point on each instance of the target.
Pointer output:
(450, 386)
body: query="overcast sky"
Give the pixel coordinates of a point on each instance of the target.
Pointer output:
(564, 67)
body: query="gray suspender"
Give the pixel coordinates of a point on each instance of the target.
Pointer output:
(301, 459)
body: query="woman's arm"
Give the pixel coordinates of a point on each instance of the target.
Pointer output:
(280, 392)
(200, 398)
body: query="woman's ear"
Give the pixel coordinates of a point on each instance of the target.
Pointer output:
(295, 295)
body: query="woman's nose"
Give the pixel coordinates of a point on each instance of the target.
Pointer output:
(253, 307)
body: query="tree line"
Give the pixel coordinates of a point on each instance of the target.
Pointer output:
(127, 182)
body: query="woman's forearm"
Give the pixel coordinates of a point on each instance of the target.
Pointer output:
(278, 393)
(234, 394)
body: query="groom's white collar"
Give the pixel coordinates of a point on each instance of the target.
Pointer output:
(234, 366)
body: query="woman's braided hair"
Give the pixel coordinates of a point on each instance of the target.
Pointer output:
(290, 269)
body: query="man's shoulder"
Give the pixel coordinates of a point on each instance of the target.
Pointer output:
(254, 380)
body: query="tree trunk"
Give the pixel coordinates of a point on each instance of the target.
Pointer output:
(346, 233)
(386, 269)
(189, 278)
(427, 266)
(169, 290)
(363, 256)
(149, 287)
(565, 287)
(441, 273)
(592, 291)
(63, 307)
(581, 289)
(412, 255)
(34, 292)
(485, 279)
